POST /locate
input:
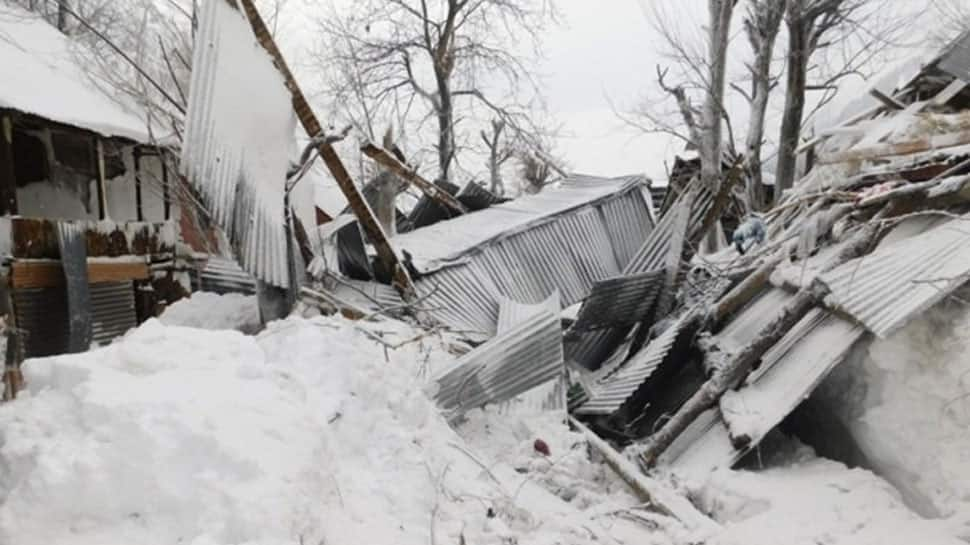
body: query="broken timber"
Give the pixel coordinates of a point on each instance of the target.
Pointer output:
(385, 159)
(739, 364)
(402, 280)
(878, 151)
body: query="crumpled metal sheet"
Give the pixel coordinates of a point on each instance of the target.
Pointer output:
(72, 242)
(239, 132)
(886, 289)
(510, 364)
(620, 301)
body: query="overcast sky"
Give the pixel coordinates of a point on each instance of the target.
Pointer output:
(604, 51)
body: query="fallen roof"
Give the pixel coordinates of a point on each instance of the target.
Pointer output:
(43, 76)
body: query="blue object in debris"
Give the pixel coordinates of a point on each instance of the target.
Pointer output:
(749, 233)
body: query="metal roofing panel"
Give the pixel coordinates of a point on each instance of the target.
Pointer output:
(751, 320)
(512, 363)
(628, 221)
(956, 58)
(42, 315)
(512, 313)
(72, 243)
(620, 301)
(614, 390)
(887, 288)
(236, 146)
(221, 275)
(112, 310)
(463, 298)
(448, 241)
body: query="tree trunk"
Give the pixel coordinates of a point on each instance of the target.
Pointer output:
(720, 25)
(763, 29)
(791, 121)
(446, 128)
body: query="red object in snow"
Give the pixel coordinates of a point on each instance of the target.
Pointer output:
(541, 447)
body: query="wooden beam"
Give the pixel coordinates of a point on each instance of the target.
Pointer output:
(45, 274)
(402, 280)
(102, 184)
(8, 178)
(877, 151)
(385, 159)
(948, 92)
(887, 100)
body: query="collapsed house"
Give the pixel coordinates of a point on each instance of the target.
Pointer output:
(91, 207)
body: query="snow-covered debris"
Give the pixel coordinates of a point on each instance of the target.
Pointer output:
(206, 310)
(309, 433)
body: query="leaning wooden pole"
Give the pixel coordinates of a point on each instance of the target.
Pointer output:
(376, 234)
(388, 161)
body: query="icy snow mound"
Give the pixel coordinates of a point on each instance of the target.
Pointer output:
(206, 310)
(309, 433)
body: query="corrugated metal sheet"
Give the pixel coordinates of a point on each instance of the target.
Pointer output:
(512, 313)
(42, 315)
(524, 357)
(789, 373)
(887, 288)
(955, 59)
(222, 275)
(72, 243)
(476, 197)
(238, 136)
(112, 310)
(620, 301)
(550, 396)
(751, 320)
(557, 241)
(612, 391)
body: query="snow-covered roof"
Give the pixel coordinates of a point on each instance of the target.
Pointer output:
(42, 76)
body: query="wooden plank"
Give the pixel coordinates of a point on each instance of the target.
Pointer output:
(385, 159)
(376, 234)
(44, 274)
(876, 151)
(948, 92)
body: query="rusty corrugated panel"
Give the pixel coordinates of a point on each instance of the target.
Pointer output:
(789, 373)
(887, 288)
(955, 59)
(612, 391)
(512, 363)
(620, 301)
(42, 315)
(72, 243)
(112, 310)
(235, 148)
(221, 275)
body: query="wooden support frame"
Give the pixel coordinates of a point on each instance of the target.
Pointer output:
(46, 274)
(8, 177)
(402, 280)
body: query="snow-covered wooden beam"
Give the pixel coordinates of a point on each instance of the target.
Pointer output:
(877, 151)
(388, 161)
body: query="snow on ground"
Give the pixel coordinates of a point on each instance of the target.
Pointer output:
(309, 433)
(799, 498)
(206, 310)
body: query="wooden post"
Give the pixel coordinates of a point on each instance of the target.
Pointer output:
(8, 178)
(165, 191)
(136, 155)
(12, 378)
(402, 280)
(102, 189)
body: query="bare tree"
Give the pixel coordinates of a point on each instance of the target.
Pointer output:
(535, 172)
(500, 150)
(440, 60)
(762, 22)
(846, 38)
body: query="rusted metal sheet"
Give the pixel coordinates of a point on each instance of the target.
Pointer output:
(42, 316)
(74, 259)
(620, 301)
(33, 238)
(887, 288)
(112, 310)
(510, 364)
